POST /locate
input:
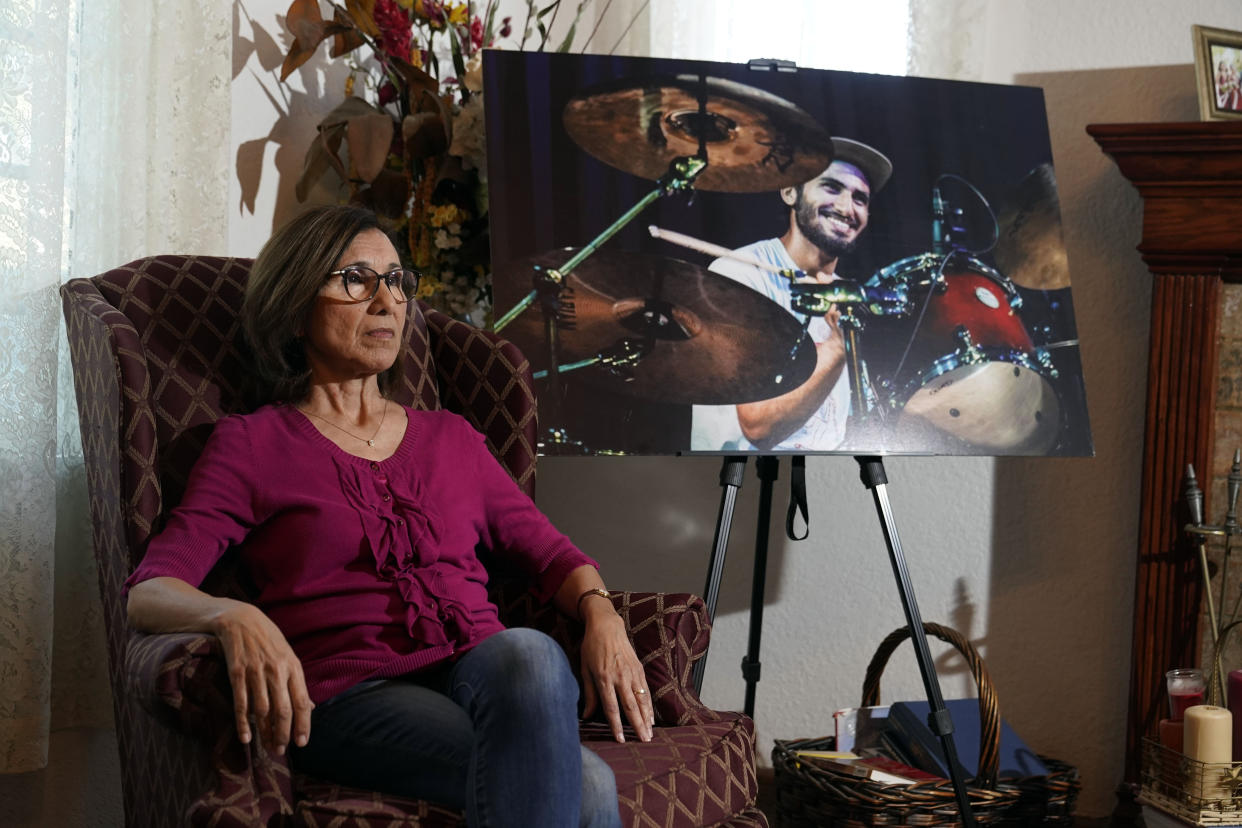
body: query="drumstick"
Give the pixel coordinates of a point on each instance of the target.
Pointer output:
(716, 250)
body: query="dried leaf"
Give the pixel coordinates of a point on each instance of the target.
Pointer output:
(362, 12)
(388, 193)
(370, 138)
(417, 81)
(322, 155)
(424, 135)
(309, 30)
(325, 149)
(345, 35)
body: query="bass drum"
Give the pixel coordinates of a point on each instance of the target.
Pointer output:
(958, 366)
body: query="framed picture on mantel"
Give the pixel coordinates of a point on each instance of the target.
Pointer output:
(1218, 72)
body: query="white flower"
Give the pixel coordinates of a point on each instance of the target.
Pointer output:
(444, 241)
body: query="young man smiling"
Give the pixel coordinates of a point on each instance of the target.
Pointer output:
(826, 216)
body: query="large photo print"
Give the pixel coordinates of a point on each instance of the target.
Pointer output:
(717, 258)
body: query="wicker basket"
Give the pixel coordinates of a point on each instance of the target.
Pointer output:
(813, 796)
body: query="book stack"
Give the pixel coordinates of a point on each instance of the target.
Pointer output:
(870, 737)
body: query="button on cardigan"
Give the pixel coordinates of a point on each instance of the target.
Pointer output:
(370, 569)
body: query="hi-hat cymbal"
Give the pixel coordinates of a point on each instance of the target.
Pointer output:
(755, 141)
(707, 339)
(1029, 249)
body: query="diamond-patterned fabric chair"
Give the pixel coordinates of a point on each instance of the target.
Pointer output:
(155, 364)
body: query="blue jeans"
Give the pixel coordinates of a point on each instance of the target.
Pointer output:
(494, 734)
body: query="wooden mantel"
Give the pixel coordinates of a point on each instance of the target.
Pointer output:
(1190, 178)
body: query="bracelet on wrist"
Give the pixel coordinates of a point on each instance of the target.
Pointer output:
(602, 593)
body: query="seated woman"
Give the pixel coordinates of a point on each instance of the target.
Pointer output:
(373, 647)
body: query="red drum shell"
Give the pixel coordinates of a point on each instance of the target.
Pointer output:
(972, 377)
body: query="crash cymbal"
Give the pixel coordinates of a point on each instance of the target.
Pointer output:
(755, 140)
(1029, 249)
(707, 339)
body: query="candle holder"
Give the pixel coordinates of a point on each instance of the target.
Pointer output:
(1199, 793)
(1220, 626)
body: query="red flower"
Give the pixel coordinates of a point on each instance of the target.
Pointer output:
(387, 93)
(396, 31)
(433, 10)
(476, 34)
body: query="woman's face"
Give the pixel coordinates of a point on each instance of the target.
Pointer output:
(347, 339)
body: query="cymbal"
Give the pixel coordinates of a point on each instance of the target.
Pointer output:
(1029, 249)
(708, 339)
(755, 141)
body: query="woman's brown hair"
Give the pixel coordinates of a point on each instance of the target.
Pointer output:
(284, 280)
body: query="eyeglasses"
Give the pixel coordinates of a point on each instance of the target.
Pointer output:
(362, 283)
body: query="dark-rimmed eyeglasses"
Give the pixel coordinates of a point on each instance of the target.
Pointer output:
(361, 283)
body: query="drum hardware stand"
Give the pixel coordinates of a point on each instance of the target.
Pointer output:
(618, 359)
(679, 178)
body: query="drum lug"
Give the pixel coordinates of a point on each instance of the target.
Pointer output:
(962, 333)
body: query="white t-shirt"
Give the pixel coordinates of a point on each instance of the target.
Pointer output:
(715, 427)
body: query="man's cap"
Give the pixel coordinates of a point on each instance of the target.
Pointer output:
(873, 163)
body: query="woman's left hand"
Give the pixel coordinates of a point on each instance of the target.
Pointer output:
(612, 676)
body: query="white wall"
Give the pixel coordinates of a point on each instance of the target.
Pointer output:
(1032, 559)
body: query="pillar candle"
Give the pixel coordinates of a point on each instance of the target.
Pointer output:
(1208, 738)
(1171, 733)
(1235, 707)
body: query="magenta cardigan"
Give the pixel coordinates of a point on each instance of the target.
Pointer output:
(369, 568)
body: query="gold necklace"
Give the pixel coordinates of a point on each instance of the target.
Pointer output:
(370, 442)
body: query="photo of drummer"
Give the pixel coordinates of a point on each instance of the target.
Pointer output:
(826, 217)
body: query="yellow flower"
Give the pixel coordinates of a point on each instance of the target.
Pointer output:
(427, 286)
(406, 4)
(443, 215)
(349, 86)
(459, 13)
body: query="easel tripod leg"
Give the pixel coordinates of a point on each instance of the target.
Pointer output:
(731, 472)
(871, 470)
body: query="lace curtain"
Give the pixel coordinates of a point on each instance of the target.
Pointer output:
(112, 146)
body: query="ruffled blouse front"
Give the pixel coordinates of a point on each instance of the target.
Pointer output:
(404, 533)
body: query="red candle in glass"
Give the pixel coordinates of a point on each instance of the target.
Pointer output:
(1178, 702)
(1186, 689)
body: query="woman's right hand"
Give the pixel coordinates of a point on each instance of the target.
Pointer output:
(266, 677)
(265, 674)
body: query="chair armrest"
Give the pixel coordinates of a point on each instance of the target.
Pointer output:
(670, 632)
(182, 680)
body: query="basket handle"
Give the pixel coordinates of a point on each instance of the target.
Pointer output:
(989, 711)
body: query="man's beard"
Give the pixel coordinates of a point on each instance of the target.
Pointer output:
(807, 219)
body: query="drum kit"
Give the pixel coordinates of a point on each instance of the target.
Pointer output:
(939, 360)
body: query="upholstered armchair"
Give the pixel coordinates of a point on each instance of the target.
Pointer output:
(156, 363)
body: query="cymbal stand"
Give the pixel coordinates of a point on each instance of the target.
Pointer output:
(813, 300)
(618, 359)
(680, 178)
